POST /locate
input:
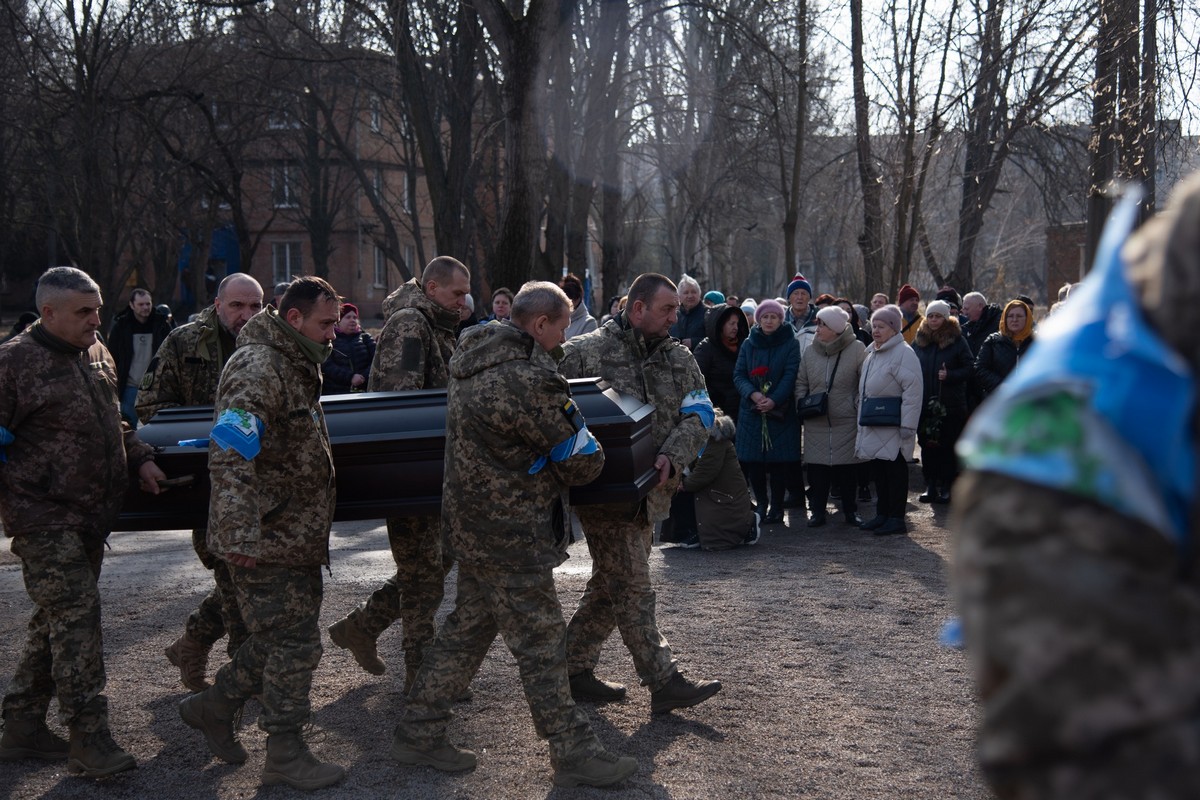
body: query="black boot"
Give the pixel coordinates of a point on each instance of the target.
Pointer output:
(931, 492)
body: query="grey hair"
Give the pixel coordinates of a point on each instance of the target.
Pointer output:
(57, 281)
(688, 280)
(975, 296)
(536, 298)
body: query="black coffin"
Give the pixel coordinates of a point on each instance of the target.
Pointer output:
(388, 449)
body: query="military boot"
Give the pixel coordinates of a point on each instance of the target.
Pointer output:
(602, 769)
(192, 659)
(587, 687)
(214, 717)
(443, 756)
(679, 692)
(95, 755)
(346, 634)
(290, 761)
(30, 738)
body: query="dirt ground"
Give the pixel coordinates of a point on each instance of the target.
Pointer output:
(825, 641)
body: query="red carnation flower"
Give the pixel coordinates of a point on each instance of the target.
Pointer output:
(759, 372)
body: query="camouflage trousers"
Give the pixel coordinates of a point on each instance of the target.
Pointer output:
(530, 619)
(619, 595)
(63, 653)
(415, 592)
(217, 613)
(280, 606)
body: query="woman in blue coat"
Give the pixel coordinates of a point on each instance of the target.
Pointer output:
(768, 440)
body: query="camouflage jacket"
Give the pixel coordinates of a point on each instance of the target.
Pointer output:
(506, 406)
(416, 343)
(186, 368)
(663, 375)
(68, 463)
(278, 506)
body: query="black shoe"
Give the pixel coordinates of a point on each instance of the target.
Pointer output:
(893, 525)
(943, 498)
(873, 523)
(864, 494)
(816, 520)
(679, 692)
(586, 686)
(752, 535)
(852, 518)
(930, 494)
(773, 518)
(689, 544)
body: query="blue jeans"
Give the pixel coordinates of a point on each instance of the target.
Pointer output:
(129, 404)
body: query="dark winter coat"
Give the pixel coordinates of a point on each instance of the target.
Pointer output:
(690, 325)
(779, 353)
(998, 357)
(988, 323)
(120, 340)
(352, 355)
(945, 346)
(716, 361)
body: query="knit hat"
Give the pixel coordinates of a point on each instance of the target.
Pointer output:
(798, 282)
(890, 315)
(768, 307)
(950, 295)
(748, 306)
(835, 318)
(907, 293)
(714, 297)
(938, 307)
(348, 307)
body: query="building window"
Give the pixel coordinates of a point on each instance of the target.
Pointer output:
(285, 258)
(283, 192)
(281, 114)
(410, 257)
(405, 196)
(378, 182)
(380, 281)
(376, 113)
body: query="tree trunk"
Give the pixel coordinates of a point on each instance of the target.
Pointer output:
(870, 241)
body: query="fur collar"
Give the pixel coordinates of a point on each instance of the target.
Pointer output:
(943, 336)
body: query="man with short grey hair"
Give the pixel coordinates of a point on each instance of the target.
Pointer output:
(983, 319)
(65, 455)
(689, 327)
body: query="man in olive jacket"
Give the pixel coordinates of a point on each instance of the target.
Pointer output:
(413, 353)
(65, 453)
(636, 355)
(271, 507)
(185, 372)
(515, 443)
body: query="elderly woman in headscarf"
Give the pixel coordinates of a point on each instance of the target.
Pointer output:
(1002, 350)
(832, 364)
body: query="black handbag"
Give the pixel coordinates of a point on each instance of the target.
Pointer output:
(879, 412)
(817, 403)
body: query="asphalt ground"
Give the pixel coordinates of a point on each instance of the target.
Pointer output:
(825, 640)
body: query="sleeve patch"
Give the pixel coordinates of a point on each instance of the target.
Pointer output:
(698, 403)
(239, 429)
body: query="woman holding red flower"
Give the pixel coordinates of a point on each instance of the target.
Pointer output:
(768, 430)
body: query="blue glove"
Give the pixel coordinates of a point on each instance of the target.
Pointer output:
(6, 438)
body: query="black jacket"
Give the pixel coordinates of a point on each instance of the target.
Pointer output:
(690, 325)
(120, 340)
(716, 361)
(352, 355)
(945, 346)
(987, 324)
(996, 359)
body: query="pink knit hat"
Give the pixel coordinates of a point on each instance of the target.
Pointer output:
(768, 307)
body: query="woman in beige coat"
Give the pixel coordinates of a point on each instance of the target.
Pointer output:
(891, 369)
(832, 363)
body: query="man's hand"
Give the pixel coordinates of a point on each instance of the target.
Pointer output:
(357, 380)
(149, 475)
(663, 465)
(239, 560)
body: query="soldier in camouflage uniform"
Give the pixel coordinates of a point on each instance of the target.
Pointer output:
(1081, 597)
(636, 355)
(269, 516)
(64, 459)
(413, 353)
(185, 372)
(515, 442)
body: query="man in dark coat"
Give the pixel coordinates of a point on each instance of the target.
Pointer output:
(133, 339)
(982, 319)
